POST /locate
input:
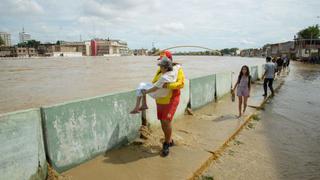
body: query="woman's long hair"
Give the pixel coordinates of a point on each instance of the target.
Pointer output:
(247, 74)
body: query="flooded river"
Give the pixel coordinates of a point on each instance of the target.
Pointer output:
(35, 82)
(285, 143)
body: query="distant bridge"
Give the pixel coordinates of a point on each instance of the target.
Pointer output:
(186, 46)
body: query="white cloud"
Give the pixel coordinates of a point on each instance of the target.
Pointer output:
(215, 24)
(168, 28)
(20, 8)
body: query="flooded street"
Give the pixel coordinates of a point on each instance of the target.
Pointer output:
(285, 143)
(36, 82)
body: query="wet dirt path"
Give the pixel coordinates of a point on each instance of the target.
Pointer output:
(285, 142)
(196, 137)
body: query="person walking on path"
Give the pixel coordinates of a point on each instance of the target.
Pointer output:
(279, 65)
(243, 86)
(167, 106)
(268, 76)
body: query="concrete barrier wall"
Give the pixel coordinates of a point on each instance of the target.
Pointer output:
(80, 130)
(22, 154)
(75, 132)
(260, 71)
(202, 91)
(254, 73)
(151, 113)
(223, 84)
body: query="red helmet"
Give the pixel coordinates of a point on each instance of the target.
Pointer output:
(165, 53)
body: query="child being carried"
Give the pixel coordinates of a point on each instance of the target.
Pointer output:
(156, 90)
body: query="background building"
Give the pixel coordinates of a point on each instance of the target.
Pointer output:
(6, 37)
(279, 49)
(108, 47)
(67, 49)
(140, 52)
(24, 37)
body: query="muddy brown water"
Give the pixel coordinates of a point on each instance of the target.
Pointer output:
(285, 143)
(30, 83)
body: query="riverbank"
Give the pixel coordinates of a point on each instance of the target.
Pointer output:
(284, 142)
(198, 138)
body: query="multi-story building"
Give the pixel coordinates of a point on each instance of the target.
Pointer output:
(7, 51)
(69, 49)
(279, 49)
(306, 48)
(140, 52)
(6, 37)
(88, 48)
(251, 53)
(12, 51)
(24, 37)
(79, 47)
(25, 52)
(108, 47)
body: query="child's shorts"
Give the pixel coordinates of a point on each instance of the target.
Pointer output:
(243, 91)
(142, 86)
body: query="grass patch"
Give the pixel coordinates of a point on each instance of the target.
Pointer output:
(255, 117)
(250, 126)
(231, 153)
(237, 142)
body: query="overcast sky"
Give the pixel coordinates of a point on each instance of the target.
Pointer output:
(212, 23)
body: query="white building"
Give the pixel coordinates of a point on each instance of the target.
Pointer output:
(24, 37)
(88, 48)
(6, 37)
(108, 47)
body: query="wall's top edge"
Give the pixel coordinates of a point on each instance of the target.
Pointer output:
(226, 72)
(88, 98)
(199, 77)
(19, 111)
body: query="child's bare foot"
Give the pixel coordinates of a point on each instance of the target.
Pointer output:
(135, 111)
(239, 115)
(142, 108)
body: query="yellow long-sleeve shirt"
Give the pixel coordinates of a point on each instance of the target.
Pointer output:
(179, 84)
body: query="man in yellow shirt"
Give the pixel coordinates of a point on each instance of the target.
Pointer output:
(167, 106)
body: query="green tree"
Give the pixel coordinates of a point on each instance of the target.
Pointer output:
(33, 43)
(311, 32)
(1, 41)
(229, 51)
(30, 43)
(154, 51)
(22, 44)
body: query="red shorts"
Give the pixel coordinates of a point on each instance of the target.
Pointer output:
(165, 112)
